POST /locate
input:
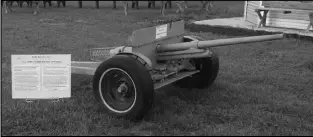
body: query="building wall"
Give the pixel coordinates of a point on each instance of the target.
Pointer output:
(295, 19)
(251, 15)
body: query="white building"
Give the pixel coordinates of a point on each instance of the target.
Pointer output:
(293, 19)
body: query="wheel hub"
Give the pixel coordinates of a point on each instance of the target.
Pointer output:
(122, 89)
(119, 91)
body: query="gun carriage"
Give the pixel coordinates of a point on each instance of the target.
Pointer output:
(125, 78)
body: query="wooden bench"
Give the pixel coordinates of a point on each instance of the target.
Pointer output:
(262, 21)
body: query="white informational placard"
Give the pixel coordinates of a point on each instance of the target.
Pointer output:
(161, 31)
(46, 76)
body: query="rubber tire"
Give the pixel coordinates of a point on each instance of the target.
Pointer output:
(140, 76)
(206, 76)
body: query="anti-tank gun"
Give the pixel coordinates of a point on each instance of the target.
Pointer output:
(125, 78)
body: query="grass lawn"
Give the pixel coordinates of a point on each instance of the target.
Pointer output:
(263, 88)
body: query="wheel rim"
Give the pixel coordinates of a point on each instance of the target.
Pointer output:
(117, 90)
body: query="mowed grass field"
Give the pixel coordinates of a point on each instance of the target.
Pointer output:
(263, 88)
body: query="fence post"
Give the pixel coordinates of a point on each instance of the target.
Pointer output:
(80, 3)
(114, 4)
(97, 4)
(135, 4)
(64, 3)
(169, 4)
(149, 3)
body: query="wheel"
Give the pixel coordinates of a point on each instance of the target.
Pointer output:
(208, 67)
(208, 72)
(124, 87)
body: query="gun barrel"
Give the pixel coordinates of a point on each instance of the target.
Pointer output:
(216, 43)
